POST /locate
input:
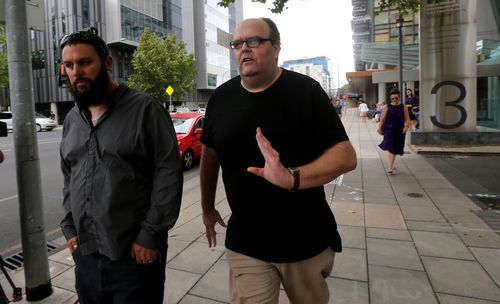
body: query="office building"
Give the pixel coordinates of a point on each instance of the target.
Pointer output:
(376, 54)
(203, 25)
(207, 31)
(317, 68)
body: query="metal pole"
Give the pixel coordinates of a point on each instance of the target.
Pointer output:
(338, 78)
(36, 266)
(400, 21)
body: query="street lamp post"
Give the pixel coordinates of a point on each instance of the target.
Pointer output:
(399, 23)
(338, 77)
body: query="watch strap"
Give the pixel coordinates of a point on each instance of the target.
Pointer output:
(295, 172)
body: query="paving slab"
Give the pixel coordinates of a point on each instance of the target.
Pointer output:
(351, 264)
(451, 299)
(352, 236)
(371, 199)
(58, 296)
(474, 232)
(392, 285)
(348, 194)
(63, 257)
(177, 284)
(423, 212)
(390, 234)
(390, 253)
(461, 278)
(347, 291)
(430, 226)
(349, 214)
(196, 258)
(190, 299)
(65, 280)
(189, 231)
(214, 284)
(446, 245)
(489, 258)
(384, 216)
(175, 246)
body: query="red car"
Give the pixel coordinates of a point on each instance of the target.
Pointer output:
(188, 127)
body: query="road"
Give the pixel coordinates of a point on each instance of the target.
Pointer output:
(476, 176)
(52, 181)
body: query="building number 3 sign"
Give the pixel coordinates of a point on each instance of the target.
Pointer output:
(453, 103)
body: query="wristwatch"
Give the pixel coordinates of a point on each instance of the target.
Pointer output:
(296, 178)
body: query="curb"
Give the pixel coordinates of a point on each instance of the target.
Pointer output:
(456, 150)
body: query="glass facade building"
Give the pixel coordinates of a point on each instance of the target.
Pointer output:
(376, 35)
(212, 26)
(162, 17)
(317, 68)
(204, 26)
(119, 22)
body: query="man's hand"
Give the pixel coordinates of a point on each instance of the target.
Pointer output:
(73, 244)
(143, 255)
(210, 219)
(273, 170)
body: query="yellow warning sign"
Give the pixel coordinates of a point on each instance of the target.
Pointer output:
(169, 90)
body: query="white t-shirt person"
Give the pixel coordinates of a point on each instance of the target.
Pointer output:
(362, 108)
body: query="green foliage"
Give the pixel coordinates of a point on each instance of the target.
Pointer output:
(404, 6)
(159, 63)
(278, 5)
(4, 68)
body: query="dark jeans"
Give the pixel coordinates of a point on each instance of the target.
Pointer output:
(101, 281)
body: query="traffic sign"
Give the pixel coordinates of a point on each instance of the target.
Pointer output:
(169, 90)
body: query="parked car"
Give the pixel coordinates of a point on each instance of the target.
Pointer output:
(188, 127)
(41, 122)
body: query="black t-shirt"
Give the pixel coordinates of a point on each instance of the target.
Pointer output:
(296, 116)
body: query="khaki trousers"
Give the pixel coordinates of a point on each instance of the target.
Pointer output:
(255, 281)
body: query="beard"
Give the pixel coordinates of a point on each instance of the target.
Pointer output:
(95, 93)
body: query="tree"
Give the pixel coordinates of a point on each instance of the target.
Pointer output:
(159, 63)
(404, 6)
(4, 68)
(278, 5)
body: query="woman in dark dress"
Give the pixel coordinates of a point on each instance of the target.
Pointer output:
(412, 103)
(393, 124)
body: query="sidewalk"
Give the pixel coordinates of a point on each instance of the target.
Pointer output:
(410, 237)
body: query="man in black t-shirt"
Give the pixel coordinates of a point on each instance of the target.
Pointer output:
(278, 140)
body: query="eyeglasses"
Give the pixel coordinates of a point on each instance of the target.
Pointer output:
(86, 36)
(251, 42)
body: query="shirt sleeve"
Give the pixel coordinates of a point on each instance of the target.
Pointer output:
(67, 225)
(166, 194)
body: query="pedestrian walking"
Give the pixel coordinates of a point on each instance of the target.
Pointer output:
(363, 110)
(122, 180)
(412, 103)
(393, 125)
(337, 107)
(378, 110)
(258, 129)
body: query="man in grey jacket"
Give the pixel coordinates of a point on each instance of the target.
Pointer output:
(122, 180)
